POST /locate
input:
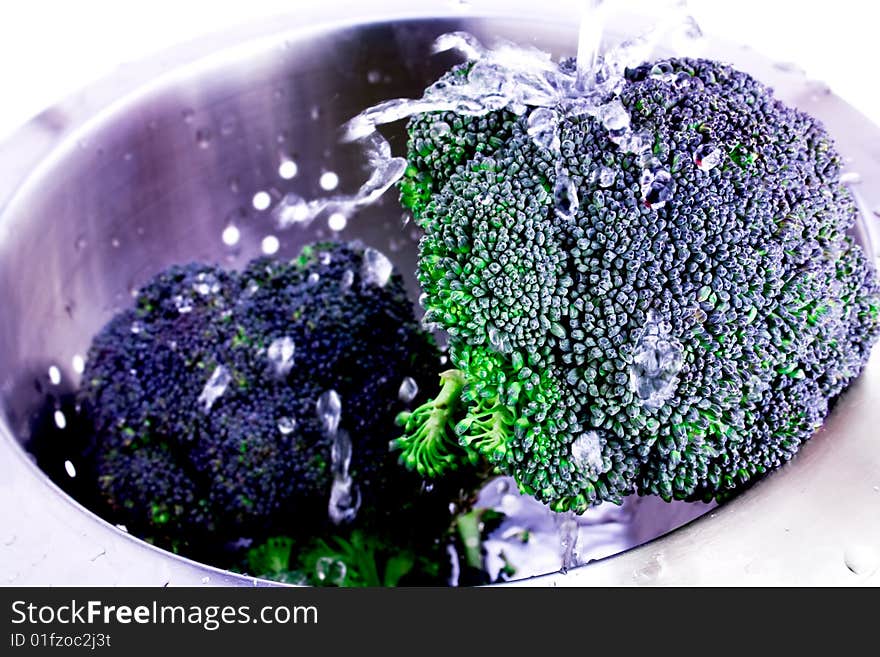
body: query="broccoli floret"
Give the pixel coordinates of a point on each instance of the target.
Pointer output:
(429, 446)
(671, 322)
(204, 397)
(356, 559)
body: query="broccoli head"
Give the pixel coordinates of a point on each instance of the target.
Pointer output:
(228, 404)
(672, 319)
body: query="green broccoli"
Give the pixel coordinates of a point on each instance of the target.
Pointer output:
(671, 320)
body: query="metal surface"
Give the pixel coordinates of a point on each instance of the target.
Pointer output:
(116, 191)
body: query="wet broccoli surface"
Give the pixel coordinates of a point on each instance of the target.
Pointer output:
(205, 397)
(672, 322)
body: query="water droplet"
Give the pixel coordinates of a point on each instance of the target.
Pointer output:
(656, 185)
(313, 278)
(328, 181)
(565, 197)
(231, 235)
(187, 115)
(499, 341)
(203, 138)
(214, 388)
(206, 283)
(607, 175)
(707, 157)
(861, 559)
(288, 169)
(330, 571)
(270, 245)
(347, 280)
(115, 243)
(439, 128)
(376, 268)
(850, 178)
(586, 452)
(657, 360)
(408, 390)
(286, 426)
(261, 201)
(325, 258)
(329, 409)
(650, 571)
(70, 469)
(337, 221)
(182, 303)
(615, 119)
(54, 375)
(136, 326)
(374, 76)
(78, 363)
(60, 419)
(543, 128)
(280, 354)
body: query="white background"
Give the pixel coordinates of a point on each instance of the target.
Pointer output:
(50, 48)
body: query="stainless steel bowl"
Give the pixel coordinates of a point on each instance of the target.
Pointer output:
(147, 169)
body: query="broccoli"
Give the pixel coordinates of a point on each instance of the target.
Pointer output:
(356, 560)
(220, 402)
(673, 320)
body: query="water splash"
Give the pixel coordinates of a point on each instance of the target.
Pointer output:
(345, 497)
(385, 171)
(508, 77)
(543, 128)
(568, 537)
(214, 388)
(592, 26)
(657, 360)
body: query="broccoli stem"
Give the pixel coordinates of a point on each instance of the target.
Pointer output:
(487, 429)
(468, 527)
(428, 445)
